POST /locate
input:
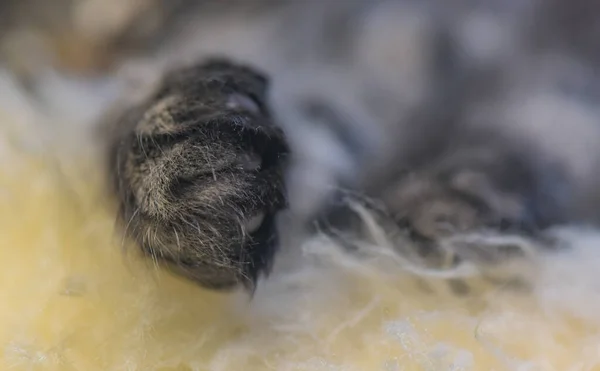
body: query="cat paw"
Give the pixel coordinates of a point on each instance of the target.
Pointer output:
(481, 205)
(198, 174)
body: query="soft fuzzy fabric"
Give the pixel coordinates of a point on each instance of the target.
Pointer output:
(71, 298)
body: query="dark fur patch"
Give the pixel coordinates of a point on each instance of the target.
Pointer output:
(178, 172)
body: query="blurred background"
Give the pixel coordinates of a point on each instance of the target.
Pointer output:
(77, 36)
(59, 59)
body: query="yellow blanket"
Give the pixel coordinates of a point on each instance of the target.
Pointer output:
(72, 299)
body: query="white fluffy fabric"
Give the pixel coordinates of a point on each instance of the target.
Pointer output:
(71, 299)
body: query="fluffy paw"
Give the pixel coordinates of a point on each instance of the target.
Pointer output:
(198, 173)
(475, 193)
(480, 197)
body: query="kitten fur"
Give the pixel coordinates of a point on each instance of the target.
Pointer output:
(444, 118)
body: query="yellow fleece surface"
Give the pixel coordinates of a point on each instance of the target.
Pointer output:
(72, 299)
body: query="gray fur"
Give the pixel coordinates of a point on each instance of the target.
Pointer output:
(194, 166)
(455, 117)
